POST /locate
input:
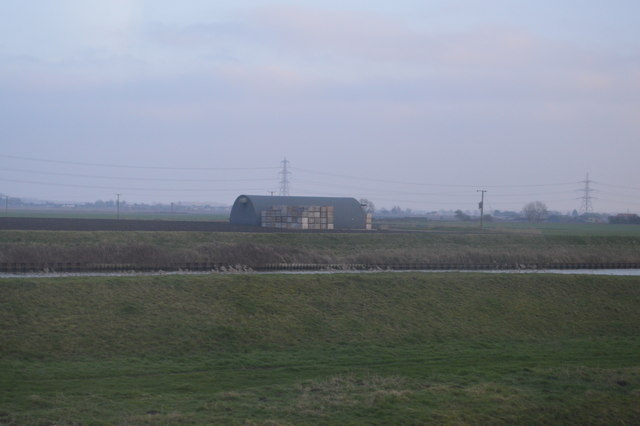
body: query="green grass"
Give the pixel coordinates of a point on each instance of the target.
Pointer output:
(569, 229)
(543, 228)
(321, 349)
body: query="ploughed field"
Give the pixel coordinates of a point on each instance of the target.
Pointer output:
(110, 224)
(414, 348)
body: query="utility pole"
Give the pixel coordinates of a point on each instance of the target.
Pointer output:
(481, 206)
(6, 206)
(284, 179)
(118, 207)
(171, 208)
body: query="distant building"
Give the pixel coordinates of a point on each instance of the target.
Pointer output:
(299, 212)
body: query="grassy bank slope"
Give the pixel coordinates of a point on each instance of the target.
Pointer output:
(190, 315)
(278, 349)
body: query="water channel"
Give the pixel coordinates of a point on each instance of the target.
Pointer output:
(618, 272)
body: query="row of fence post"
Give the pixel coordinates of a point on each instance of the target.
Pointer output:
(17, 267)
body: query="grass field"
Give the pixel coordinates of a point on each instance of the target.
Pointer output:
(542, 228)
(321, 349)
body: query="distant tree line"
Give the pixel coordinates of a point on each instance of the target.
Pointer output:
(625, 219)
(101, 205)
(395, 211)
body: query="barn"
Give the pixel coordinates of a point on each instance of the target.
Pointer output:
(299, 212)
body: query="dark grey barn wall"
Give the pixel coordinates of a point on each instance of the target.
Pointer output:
(244, 213)
(348, 214)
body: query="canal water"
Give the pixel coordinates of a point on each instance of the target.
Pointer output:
(618, 272)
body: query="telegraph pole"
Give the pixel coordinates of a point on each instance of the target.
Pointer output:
(481, 205)
(118, 207)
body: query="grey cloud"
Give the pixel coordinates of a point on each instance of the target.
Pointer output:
(365, 45)
(428, 106)
(195, 35)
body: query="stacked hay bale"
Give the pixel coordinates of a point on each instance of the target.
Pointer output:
(319, 217)
(298, 217)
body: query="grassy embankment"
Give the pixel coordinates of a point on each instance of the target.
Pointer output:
(326, 349)
(548, 244)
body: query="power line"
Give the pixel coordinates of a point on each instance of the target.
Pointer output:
(38, 172)
(377, 190)
(635, 188)
(123, 166)
(288, 170)
(445, 194)
(615, 194)
(120, 188)
(304, 181)
(625, 202)
(426, 184)
(284, 173)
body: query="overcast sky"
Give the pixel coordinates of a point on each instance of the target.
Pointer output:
(410, 103)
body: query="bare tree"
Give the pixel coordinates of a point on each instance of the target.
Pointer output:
(460, 215)
(367, 205)
(535, 211)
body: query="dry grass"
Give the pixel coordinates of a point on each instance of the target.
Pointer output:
(157, 248)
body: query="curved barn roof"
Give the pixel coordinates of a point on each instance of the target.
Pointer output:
(347, 212)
